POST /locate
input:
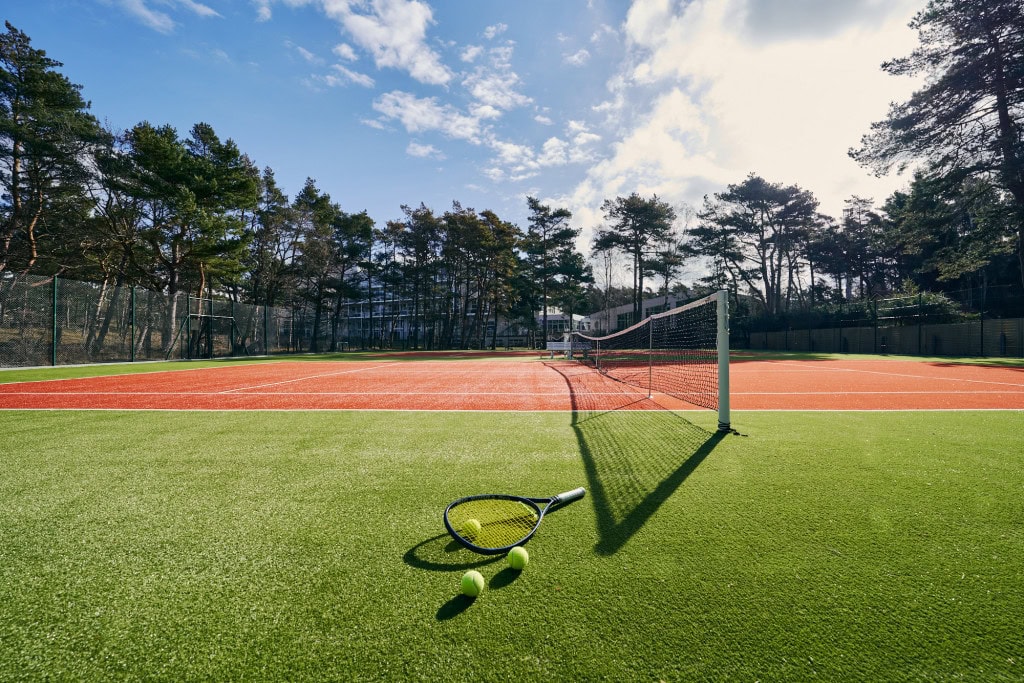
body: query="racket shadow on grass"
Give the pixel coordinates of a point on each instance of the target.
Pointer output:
(443, 554)
(636, 454)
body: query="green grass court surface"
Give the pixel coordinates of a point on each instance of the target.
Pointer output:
(860, 546)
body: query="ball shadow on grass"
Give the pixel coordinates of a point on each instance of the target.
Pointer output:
(504, 578)
(454, 607)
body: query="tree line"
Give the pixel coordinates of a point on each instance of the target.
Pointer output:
(149, 207)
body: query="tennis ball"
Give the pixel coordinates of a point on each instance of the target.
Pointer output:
(518, 558)
(471, 528)
(472, 583)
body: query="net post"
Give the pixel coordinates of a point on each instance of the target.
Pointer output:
(650, 359)
(723, 360)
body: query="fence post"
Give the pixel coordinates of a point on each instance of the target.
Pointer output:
(188, 325)
(874, 324)
(920, 323)
(981, 319)
(209, 324)
(53, 331)
(133, 323)
(266, 329)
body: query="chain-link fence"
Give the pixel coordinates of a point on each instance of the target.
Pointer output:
(54, 321)
(966, 323)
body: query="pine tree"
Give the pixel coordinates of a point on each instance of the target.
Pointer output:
(45, 133)
(968, 118)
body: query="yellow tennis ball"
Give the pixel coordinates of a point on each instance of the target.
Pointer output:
(518, 558)
(472, 583)
(471, 527)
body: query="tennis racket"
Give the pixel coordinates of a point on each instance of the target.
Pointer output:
(494, 523)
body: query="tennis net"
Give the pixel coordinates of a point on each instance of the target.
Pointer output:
(683, 352)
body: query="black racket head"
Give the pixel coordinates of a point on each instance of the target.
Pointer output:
(492, 523)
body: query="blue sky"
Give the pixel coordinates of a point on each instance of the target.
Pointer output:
(391, 102)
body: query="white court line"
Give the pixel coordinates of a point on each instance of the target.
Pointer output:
(299, 393)
(953, 392)
(491, 393)
(302, 379)
(802, 368)
(701, 411)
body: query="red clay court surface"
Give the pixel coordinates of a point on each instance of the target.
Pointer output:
(530, 385)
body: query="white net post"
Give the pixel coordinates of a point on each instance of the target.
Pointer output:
(723, 360)
(650, 359)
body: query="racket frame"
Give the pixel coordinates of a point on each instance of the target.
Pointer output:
(550, 503)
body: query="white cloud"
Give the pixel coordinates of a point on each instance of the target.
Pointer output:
(471, 53)
(494, 174)
(309, 56)
(554, 152)
(501, 57)
(519, 177)
(158, 21)
(198, 8)
(374, 123)
(484, 111)
(491, 31)
(575, 126)
(345, 51)
(345, 76)
(519, 162)
(511, 154)
(720, 105)
(578, 58)
(394, 32)
(543, 120)
(495, 88)
(495, 85)
(426, 114)
(583, 139)
(161, 20)
(604, 31)
(415, 149)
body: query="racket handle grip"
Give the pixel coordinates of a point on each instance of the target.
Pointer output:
(570, 496)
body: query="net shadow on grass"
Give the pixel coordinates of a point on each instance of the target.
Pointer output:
(635, 452)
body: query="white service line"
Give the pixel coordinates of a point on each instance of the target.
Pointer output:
(953, 392)
(898, 374)
(298, 393)
(303, 379)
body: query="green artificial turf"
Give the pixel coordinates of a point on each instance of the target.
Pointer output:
(288, 546)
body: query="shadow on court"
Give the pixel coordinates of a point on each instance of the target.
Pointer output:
(635, 452)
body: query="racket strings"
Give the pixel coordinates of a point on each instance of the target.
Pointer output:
(493, 522)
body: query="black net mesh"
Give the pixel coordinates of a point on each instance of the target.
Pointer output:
(674, 353)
